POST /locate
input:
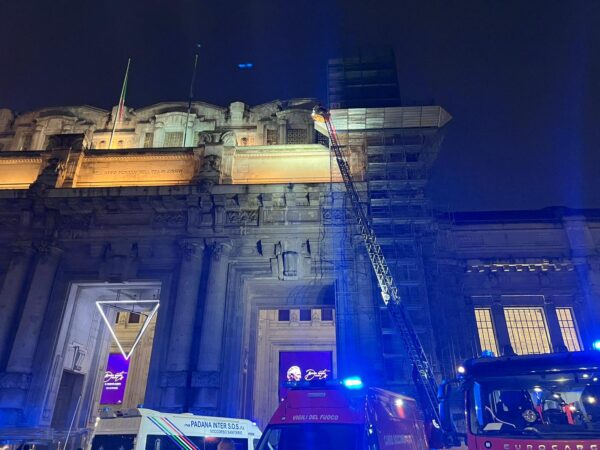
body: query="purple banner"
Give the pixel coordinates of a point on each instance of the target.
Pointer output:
(115, 378)
(307, 366)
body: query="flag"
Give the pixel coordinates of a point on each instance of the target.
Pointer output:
(121, 107)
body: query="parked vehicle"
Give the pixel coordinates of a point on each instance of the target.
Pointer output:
(529, 402)
(344, 416)
(145, 429)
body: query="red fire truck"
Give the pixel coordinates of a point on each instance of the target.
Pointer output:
(344, 416)
(532, 402)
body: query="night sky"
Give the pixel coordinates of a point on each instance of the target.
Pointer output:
(521, 78)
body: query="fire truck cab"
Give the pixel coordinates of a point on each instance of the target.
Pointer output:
(344, 416)
(529, 402)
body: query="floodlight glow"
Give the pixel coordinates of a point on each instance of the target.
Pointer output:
(596, 345)
(353, 383)
(125, 354)
(461, 369)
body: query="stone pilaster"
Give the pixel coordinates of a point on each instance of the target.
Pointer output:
(10, 293)
(176, 378)
(369, 330)
(500, 323)
(207, 377)
(556, 339)
(19, 367)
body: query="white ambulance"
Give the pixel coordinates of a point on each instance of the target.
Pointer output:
(145, 429)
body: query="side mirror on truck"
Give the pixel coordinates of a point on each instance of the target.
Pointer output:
(452, 412)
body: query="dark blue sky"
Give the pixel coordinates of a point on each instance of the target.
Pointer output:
(521, 78)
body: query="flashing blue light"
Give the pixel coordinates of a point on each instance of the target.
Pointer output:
(596, 345)
(245, 65)
(487, 354)
(352, 383)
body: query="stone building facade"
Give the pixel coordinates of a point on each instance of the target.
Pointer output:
(235, 220)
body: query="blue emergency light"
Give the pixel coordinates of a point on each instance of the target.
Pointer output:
(596, 345)
(352, 383)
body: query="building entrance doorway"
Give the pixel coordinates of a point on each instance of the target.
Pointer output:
(103, 354)
(293, 344)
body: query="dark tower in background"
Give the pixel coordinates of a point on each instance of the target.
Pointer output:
(365, 79)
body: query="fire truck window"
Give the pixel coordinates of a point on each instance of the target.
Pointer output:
(551, 406)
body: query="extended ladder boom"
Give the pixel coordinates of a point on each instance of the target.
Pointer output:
(425, 380)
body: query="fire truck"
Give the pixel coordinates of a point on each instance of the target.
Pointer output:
(530, 402)
(345, 415)
(541, 402)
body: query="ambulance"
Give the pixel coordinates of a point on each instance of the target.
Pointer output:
(344, 416)
(145, 429)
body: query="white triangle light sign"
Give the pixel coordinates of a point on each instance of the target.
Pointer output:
(114, 303)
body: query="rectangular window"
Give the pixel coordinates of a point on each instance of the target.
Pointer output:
(173, 139)
(134, 318)
(326, 314)
(305, 315)
(568, 328)
(527, 330)
(284, 315)
(26, 142)
(485, 329)
(272, 137)
(148, 140)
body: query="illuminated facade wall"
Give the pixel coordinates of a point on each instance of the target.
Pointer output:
(529, 279)
(248, 217)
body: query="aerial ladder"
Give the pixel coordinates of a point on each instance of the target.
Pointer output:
(424, 379)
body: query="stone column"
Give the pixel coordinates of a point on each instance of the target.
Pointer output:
(9, 295)
(175, 379)
(19, 368)
(207, 378)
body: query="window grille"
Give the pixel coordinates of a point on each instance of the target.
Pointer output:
(296, 136)
(173, 138)
(568, 328)
(527, 330)
(485, 330)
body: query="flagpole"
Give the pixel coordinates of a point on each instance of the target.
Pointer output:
(121, 104)
(187, 117)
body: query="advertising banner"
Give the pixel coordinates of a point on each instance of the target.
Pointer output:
(115, 379)
(307, 366)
